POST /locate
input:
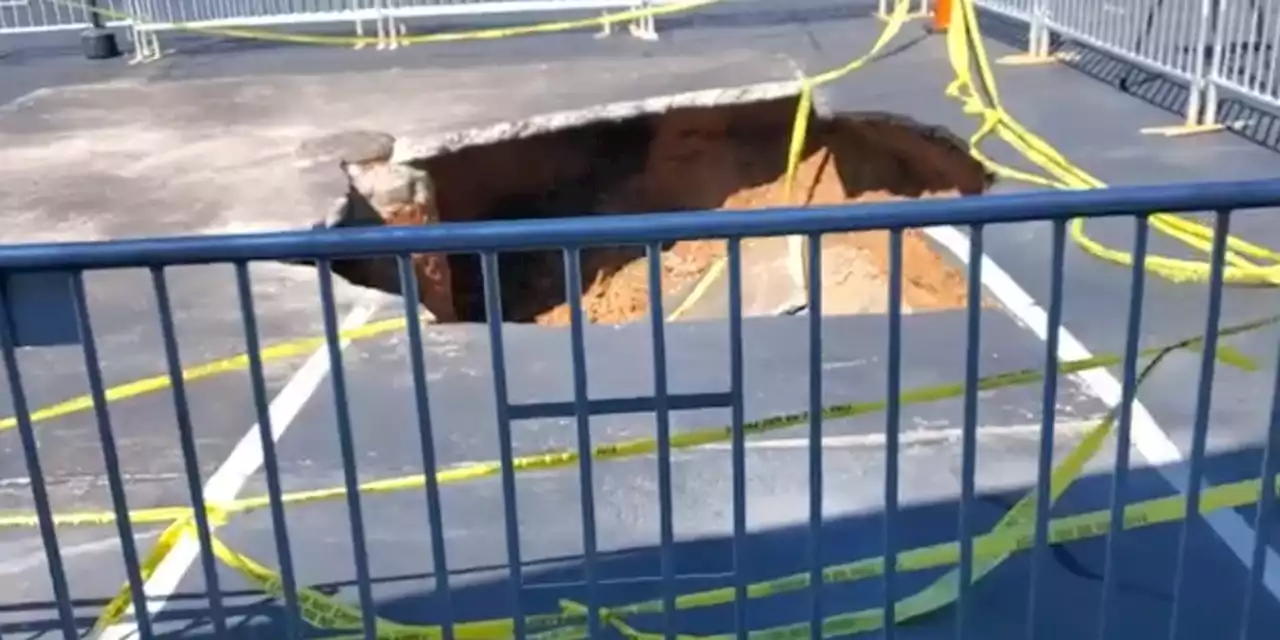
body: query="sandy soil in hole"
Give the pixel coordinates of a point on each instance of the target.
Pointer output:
(696, 159)
(930, 282)
(898, 157)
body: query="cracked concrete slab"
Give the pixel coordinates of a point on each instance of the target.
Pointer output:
(222, 156)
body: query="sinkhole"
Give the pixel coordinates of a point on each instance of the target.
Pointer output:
(730, 156)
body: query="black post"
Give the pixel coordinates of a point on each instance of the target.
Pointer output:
(97, 42)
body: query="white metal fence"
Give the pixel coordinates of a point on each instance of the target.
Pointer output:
(25, 16)
(1211, 45)
(168, 14)
(1019, 9)
(1246, 52)
(34, 16)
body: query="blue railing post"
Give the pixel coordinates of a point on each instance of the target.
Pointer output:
(602, 612)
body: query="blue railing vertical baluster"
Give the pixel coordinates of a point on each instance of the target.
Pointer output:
(30, 451)
(498, 361)
(435, 519)
(739, 445)
(270, 464)
(190, 457)
(662, 414)
(815, 434)
(1048, 413)
(582, 415)
(346, 445)
(1266, 509)
(110, 456)
(969, 449)
(149, 253)
(1124, 424)
(891, 416)
(1204, 394)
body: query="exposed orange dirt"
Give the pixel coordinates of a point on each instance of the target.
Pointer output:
(730, 157)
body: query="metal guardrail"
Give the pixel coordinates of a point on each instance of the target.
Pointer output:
(31, 16)
(40, 16)
(1246, 53)
(1018, 9)
(1162, 34)
(1211, 45)
(147, 19)
(571, 235)
(167, 14)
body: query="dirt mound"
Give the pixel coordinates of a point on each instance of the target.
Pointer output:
(729, 157)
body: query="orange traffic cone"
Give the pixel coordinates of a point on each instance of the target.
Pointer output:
(941, 20)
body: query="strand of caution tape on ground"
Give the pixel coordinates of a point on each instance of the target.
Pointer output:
(495, 33)
(300, 347)
(991, 546)
(799, 131)
(329, 614)
(1010, 534)
(326, 613)
(280, 351)
(804, 108)
(1247, 263)
(646, 446)
(285, 350)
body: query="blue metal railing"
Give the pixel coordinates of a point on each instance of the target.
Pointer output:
(520, 235)
(571, 235)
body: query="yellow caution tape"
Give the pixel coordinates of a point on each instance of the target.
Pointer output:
(142, 386)
(633, 447)
(496, 33)
(804, 108)
(988, 547)
(1246, 263)
(168, 539)
(326, 613)
(279, 351)
(1011, 534)
(799, 132)
(963, 43)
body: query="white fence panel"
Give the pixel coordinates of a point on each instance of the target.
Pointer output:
(1246, 51)
(38, 16)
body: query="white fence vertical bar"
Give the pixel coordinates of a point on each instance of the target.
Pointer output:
(1207, 45)
(1196, 96)
(1028, 11)
(1246, 53)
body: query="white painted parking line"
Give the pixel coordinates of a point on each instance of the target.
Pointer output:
(243, 462)
(1151, 442)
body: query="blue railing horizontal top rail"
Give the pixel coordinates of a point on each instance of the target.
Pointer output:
(552, 233)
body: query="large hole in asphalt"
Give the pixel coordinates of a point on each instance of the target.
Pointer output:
(692, 159)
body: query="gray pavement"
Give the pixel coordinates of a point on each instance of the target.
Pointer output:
(193, 99)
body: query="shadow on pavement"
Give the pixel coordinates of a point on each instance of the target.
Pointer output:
(1068, 588)
(1244, 118)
